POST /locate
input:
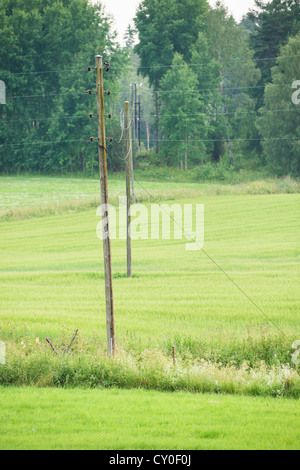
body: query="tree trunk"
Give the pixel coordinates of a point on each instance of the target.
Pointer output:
(228, 138)
(226, 124)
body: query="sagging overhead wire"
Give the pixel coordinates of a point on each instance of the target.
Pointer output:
(212, 114)
(42, 95)
(41, 142)
(212, 260)
(160, 92)
(45, 72)
(202, 64)
(110, 139)
(237, 88)
(56, 118)
(222, 140)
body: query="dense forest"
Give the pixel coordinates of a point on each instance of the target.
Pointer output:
(204, 90)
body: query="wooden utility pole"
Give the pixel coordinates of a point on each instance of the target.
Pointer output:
(139, 123)
(110, 324)
(132, 175)
(134, 85)
(135, 115)
(133, 138)
(128, 176)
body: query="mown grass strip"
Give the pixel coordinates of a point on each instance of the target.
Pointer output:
(98, 419)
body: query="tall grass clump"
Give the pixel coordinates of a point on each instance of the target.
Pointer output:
(257, 345)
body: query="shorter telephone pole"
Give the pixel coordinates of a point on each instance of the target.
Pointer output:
(186, 146)
(110, 323)
(139, 123)
(128, 176)
(133, 99)
(132, 174)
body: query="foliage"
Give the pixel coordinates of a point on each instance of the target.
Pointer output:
(232, 106)
(281, 134)
(187, 51)
(46, 114)
(214, 80)
(273, 23)
(180, 118)
(159, 39)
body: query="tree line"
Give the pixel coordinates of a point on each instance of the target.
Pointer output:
(213, 90)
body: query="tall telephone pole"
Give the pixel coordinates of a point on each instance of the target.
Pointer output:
(110, 324)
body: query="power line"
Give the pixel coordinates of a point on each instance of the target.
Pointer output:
(89, 92)
(197, 90)
(47, 95)
(224, 89)
(83, 69)
(233, 61)
(41, 142)
(122, 133)
(56, 118)
(160, 92)
(43, 72)
(222, 113)
(268, 111)
(222, 140)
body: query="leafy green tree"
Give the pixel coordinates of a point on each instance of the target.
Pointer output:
(48, 46)
(164, 28)
(74, 100)
(208, 71)
(237, 74)
(144, 94)
(129, 37)
(181, 122)
(279, 121)
(273, 23)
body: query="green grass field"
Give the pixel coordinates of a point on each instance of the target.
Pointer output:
(52, 273)
(23, 197)
(52, 282)
(118, 419)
